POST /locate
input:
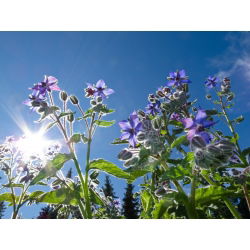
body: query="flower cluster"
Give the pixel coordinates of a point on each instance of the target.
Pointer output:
(39, 91)
(213, 154)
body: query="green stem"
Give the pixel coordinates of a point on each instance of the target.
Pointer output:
(229, 205)
(245, 191)
(191, 213)
(230, 125)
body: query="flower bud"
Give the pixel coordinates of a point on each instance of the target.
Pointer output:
(208, 97)
(141, 113)
(74, 100)
(141, 137)
(230, 97)
(131, 162)
(70, 117)
(63, 96)
(166, 90)
(93, 102)
(239, 119)
(156, 123)
(160, 192)
(160, 93)
(198, 142)
(125, 155)
(99, 99)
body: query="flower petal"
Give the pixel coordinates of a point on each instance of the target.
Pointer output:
(188, 122)
(100, 84)
(200, 116)
(125, 136)
(125, 125)
(108, 91)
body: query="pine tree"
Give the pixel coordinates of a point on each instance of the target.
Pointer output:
(2, 208)
(108, 189)
(47, 212)
(130, 207)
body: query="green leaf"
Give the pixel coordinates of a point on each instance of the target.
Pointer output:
(50, 125)
(75, 138)
(65, 114)
(60, 196)
(48, 111)
(8, 197)
(160, 209)
(52, 167)
(211, 112)
(246, 151)
(212, 193)
(13, 185)
(147, 203)
(109, 168)
(176, 173)
(178, 141)
(119, 141)
(95, 198)
(102, 123)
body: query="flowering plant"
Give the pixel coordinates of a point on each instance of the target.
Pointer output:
(186, 167)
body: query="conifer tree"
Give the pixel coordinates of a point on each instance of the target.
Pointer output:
(108, 189)
(2, 208)
(130, 207)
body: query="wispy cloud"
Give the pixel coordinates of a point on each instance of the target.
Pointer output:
(234, 62)
(236, 57)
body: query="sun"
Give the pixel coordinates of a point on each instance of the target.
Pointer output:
(33, 144)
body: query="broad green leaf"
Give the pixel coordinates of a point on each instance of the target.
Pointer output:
(8, 197)
(212, 193)
(60, 196)
(178, 141)
(109, 168)
(176, 172)
(160, 209)
(52, 167)
(48, 111)
(75, 138)
(102, 123)
(147, 203)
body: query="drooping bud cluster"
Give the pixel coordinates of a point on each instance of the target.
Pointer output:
(211, 155)
(226, 85)
(174, 102)
(241, 176)
(150, 136)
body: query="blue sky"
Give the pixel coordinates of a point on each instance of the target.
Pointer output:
(134, 64)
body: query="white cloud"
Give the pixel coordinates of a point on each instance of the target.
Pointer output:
(236, 57)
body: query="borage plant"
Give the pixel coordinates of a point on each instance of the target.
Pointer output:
(24, 168)
(188, 168)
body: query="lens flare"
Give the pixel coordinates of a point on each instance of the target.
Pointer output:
(33, 144)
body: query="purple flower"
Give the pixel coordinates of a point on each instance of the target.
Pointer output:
(211, 82)
(34, 101)
(175, 117)
(47, 85)
(90, 90)
(177, 78)
(98, 89)
(197, 126)
(130, 129)
(153, 108)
